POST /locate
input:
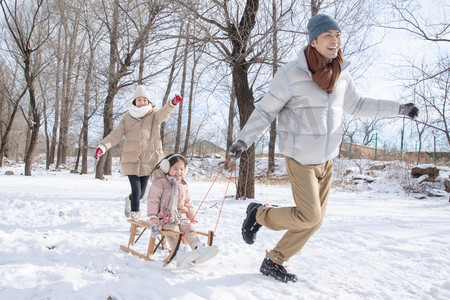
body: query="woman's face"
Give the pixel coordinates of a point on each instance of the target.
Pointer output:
(141, 101)
(177, 170)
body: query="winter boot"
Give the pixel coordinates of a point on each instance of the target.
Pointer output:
(135, 216)
(250, 227)
(127, 209)
(184, 257)
(269, 268)
(205, 253)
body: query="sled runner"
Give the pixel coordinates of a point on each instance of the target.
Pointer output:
(158, 243)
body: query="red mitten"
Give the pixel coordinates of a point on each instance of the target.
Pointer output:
(177, 99)
(98, 153)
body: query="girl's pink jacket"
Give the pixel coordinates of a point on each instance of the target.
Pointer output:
(158, 196)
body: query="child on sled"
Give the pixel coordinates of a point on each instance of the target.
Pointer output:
(170, 208)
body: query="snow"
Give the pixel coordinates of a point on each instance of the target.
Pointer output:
(60, 235)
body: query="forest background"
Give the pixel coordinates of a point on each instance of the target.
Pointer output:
(68, 70)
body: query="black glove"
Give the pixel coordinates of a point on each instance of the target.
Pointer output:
(409, 109)
(237, 148)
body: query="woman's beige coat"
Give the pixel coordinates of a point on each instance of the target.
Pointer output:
(142, 149)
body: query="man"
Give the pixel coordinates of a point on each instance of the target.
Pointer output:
(309, 96)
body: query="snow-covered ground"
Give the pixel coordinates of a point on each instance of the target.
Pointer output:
(60, 235)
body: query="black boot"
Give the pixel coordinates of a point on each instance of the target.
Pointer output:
(269, 268)
(250, 227)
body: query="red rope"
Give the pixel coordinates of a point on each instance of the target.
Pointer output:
(190, 221)
(224, 196)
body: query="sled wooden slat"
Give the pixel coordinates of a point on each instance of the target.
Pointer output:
(127, 249)
(153, 246)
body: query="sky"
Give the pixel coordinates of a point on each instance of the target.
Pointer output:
(61, 232)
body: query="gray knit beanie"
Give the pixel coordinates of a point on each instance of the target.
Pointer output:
(319, 24)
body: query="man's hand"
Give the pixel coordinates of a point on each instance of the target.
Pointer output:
(98, 153)
(237, 148)
(177, 99)
(409, 109)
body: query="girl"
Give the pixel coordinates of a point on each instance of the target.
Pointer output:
(142, 149)
(170, 208)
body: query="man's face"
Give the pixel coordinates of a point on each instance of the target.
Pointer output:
(328, 44)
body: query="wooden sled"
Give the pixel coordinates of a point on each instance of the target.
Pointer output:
(154, 245)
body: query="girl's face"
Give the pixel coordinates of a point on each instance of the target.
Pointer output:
(141, 101)
(177, 170)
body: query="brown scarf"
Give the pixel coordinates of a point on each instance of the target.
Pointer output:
(324, 74)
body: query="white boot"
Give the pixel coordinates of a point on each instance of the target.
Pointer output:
(135, 216)
(184, 257)
(205, 253)
(127, 209)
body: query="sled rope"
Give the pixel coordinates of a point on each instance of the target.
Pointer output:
(224, 196)
(204, 198)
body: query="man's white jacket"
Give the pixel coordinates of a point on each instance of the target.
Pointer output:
(309, 119)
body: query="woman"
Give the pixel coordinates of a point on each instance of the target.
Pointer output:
(142, 149)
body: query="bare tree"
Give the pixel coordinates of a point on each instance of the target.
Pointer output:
(29, 28)
(196, 55)
(183, 84)
(95, 36)
(228, 27)
(406, 18)
(171, 79)
(56, 105)
(73, 47)
(9, 103)
(121, 55)
(432, 90)
(428, 79)
(45, 81)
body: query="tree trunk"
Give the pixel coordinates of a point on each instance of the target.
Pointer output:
(273, 125)
(87, 98)
(315, 7)
(183, 85)
(239, 39)
(105, 162)
(231, 114)
(191, 100)
(47, 136)
(272, 141)
(244, 95)
(51, 156)
(36, 118)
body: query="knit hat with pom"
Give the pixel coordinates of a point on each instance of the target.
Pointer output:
(141, 91)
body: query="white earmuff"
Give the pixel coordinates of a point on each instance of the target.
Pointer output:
(164, 165)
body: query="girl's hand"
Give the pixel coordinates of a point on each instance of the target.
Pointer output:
(177, 99)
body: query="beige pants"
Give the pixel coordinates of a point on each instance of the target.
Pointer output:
(190, 237)
(310, 188)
